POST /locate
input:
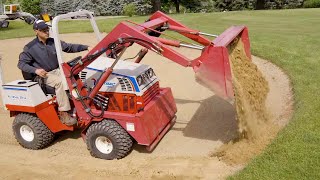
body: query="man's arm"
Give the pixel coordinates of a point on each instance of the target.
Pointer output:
(25, 59)
(72, 48)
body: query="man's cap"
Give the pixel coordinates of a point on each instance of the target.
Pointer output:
(40, 24)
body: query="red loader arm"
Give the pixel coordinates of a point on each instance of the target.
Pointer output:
(212, 67)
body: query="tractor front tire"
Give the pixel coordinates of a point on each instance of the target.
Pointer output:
(108, 140)
(30, 132)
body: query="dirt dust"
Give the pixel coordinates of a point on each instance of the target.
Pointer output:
(251, 90)
(204, 124)
(255, 125)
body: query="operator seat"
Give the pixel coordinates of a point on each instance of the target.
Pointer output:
(33, 77)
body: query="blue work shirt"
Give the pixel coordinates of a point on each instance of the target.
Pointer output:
(37, 55)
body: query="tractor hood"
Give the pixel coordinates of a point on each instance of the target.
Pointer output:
(127, 77)
(122, 67)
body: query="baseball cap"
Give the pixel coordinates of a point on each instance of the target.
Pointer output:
(40, 24)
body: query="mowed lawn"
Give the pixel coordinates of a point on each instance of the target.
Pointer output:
(288, 38)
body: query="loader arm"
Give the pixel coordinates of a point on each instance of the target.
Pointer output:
(212, 67)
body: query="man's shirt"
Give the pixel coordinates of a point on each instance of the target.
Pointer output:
(37, 55)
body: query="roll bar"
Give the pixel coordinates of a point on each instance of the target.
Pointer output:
(55, 35)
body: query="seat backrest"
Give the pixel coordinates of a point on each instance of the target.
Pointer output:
(28, 76)
(33, 77)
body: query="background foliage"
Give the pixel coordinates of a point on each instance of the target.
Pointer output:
(312, 4)
(143, 7)
(99, 7)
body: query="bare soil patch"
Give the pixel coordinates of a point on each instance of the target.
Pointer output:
(204, 123)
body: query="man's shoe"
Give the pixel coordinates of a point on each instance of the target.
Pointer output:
(66, 119)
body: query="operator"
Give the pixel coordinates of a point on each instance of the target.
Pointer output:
(39, 57)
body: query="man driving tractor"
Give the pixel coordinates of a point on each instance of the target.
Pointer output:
(39, 58)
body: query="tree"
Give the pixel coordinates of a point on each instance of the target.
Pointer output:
(32, 7)
(156, 5)
(143, 7)
(111, 7)
(177, 4)
(260, 4)
(47, 6)
(129, 9)
(10, 1)
(282, 4)
(62, 6)
(1, 6)
(190, 5)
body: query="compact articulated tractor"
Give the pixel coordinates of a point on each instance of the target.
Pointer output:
(118, 102)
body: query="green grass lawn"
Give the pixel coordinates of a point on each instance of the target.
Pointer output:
(288, 38)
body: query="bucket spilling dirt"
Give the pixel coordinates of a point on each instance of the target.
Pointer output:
(251, 90)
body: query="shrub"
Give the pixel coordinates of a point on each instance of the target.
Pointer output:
(234, 5)
(32, 7)
(129, 10)
(311, 4)
(143, 7)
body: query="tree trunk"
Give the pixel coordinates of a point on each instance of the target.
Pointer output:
(156, 5)
(260, 4)
(177, 4)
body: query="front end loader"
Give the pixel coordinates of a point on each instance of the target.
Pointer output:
(212, 67)
(117, 102)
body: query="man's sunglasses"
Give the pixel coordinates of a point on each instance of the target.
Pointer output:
(44, 30)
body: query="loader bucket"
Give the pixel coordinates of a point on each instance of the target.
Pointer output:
(215, 70)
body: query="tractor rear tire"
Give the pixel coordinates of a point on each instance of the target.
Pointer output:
(108, 140)
(30, 132)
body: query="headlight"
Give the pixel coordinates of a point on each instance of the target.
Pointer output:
(145, 77)
(140, 80)
(150, 73)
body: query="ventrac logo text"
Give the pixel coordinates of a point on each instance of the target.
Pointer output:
(17, 97)
(108, 84)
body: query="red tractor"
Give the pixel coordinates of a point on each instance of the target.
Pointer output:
(119, 102)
